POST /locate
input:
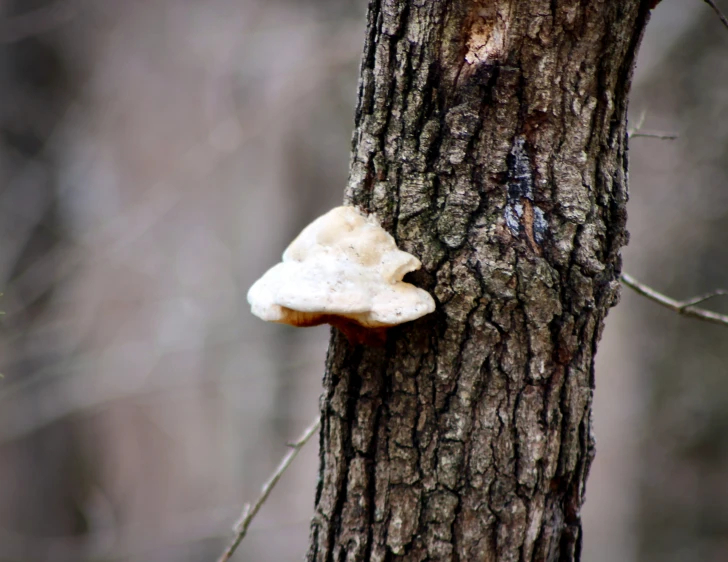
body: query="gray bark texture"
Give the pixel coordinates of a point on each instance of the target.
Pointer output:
(491, 142)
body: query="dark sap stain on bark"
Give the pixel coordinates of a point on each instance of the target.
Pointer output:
(522, 216)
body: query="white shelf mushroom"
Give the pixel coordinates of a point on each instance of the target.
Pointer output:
(343, 269)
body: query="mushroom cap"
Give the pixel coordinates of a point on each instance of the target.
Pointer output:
(341, 265)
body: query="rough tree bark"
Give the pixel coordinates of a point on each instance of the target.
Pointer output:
(491, 142)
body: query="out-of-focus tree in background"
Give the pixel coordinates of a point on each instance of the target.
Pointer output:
(156, 157)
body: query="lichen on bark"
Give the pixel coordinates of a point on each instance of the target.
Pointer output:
(490, 141)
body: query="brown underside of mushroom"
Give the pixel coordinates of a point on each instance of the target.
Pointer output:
(353, 330)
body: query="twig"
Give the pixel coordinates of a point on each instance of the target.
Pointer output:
(686, 307)
(705, 297)
(721, 15)
(637, 131)
(653, 134)
(250, 511)
(638, 125)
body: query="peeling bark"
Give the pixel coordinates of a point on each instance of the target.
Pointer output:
(491, 142)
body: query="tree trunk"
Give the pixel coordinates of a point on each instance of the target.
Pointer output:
(491, 142)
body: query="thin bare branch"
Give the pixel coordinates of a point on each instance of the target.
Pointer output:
(250, 511)
(686, 307)
(705, 297)
(640, 121)
(721, 15)
(653, 135)
(637, 130)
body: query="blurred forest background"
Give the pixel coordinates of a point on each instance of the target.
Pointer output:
(156, 156)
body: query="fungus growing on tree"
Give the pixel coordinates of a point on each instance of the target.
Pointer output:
(343, 269)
